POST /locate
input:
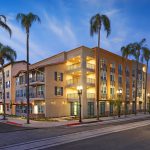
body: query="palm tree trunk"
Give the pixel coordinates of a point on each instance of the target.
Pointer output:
(137, 70)
(146, 87)
(4, 100)
(28, 100)
(97, 73)
(126, 89)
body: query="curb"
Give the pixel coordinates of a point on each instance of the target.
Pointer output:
(13, 123)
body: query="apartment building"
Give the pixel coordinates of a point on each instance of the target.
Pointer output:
(10, 71)
(54, 81)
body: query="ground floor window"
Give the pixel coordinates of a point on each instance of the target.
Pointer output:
(90, 108)
(102, 108)
(74, 108)
(40, 109)
(22, 109)
(133, 107)
(111, 108)
(140, 106)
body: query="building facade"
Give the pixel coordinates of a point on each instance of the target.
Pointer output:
(54, 81)
(10, 70)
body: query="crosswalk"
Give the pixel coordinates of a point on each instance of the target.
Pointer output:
(64, 139)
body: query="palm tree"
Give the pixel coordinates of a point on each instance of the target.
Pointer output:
(146, 57)
(136, 52)
(4, 25)
(96, 23)
(126, 52)
(26, 22)
(8, 54)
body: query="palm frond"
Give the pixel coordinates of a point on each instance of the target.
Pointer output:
(7, 53)
(106, 24)
(4, 25)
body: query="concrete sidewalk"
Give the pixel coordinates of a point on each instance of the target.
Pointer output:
(62, 122)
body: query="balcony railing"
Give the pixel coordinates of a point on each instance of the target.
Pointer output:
(112, 70)
(90, 95)
(75, 96)
(74, 66)
(103, 67)
(38, 79)
(90, 66)
(103, 95)
(120, 72)
(103, 81)
(112, 82)
(72, 82)
(127, 73)
(90, 81)
(72, 96)
(40, 94)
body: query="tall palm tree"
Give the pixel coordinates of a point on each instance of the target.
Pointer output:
(8, 54)
(146, 57)
(4, 25)
(126, 52)
(136, 52)
(26, 21)
(96, 23)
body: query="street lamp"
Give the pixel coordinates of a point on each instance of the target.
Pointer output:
(119, 94)
(80, 88)
(148, 95)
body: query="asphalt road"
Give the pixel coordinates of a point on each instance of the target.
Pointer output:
(135, 139)
(11, 134)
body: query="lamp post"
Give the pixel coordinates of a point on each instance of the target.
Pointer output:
(148, 95)
(119, 94)
(80, 88)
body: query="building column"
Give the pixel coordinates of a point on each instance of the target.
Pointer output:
(84, 102)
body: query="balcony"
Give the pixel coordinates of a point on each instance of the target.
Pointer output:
(103, 95)
(91, 81)
(103, 67)
(127, 73)
(90, 95)
(112, 96)
(103, 81)
(112, 70)
(38, 80)
(75, 96)
(112, 83)
(72, 82)
(72, 96)
(74, 67)
(38, 96)
(120, 84)
(90, 67)
(120, 72)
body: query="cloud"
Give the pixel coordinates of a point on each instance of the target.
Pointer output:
(61, 29)
(18, 41)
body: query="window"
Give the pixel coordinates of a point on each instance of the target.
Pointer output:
(120, 67)
(7, 95)
(59, 91)
(120, 79)
(112, 91)
(90, 108)
(112, 77)
(7, 73)
(8, 84)
(103, 90)
(17, 80)
(58, 76)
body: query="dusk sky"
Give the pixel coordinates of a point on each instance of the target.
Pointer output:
(65, 25)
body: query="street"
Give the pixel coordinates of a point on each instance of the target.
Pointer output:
(135, 139)
(132, 134)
